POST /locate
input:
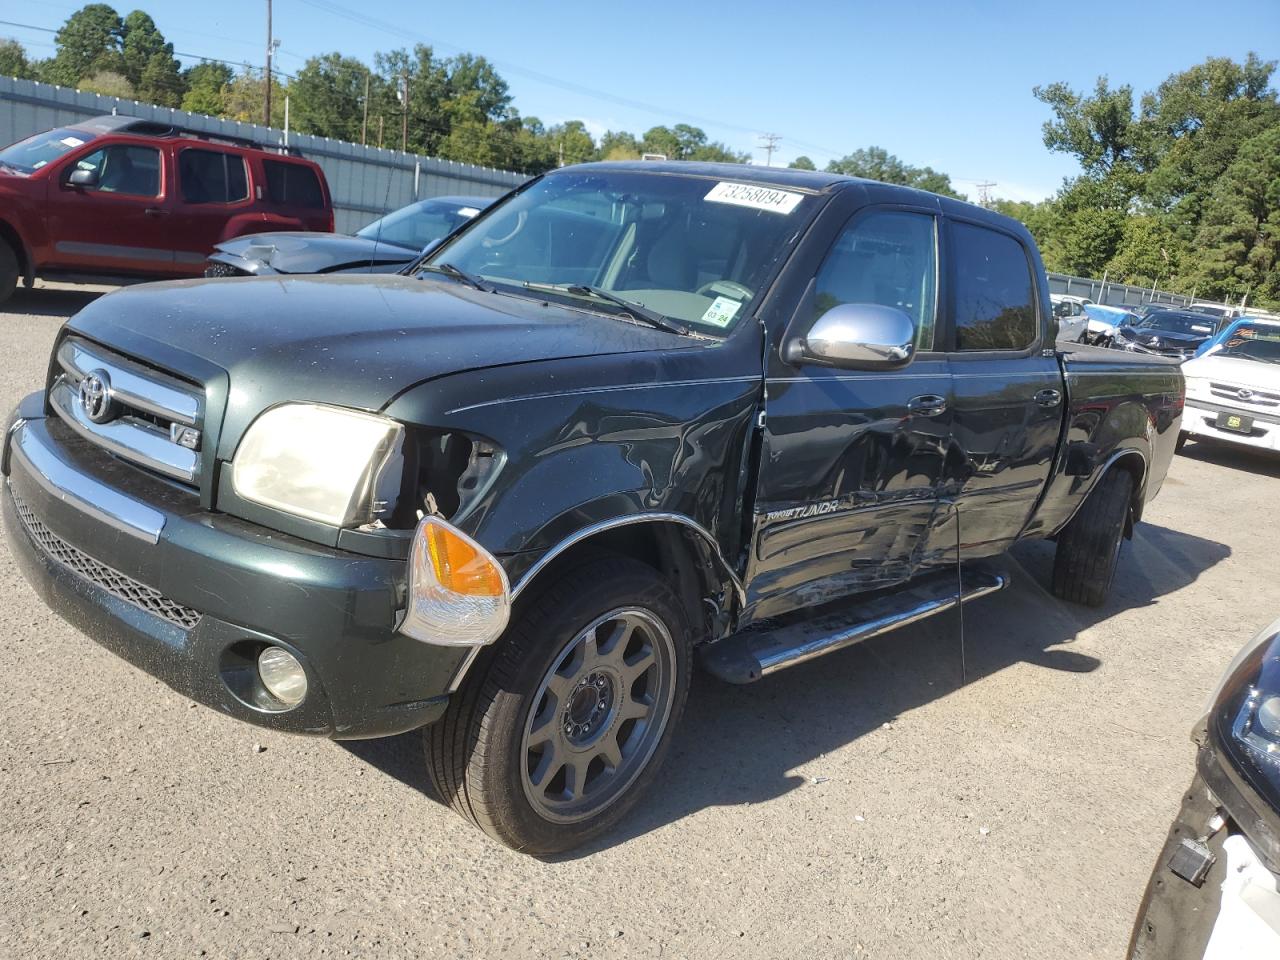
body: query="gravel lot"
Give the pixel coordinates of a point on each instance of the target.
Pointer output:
(865, 805)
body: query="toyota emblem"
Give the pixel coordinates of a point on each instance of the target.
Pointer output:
(95, 396)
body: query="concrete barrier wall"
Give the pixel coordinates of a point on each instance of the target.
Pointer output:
(365, 181)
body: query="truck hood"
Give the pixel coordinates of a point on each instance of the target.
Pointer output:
(1145, 336)
(1236, 371)
(352, 340)
(303, 252)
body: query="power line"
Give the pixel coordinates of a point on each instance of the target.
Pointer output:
(984, 193)
(770, 143)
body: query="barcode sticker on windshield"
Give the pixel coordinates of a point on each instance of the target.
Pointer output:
(756, 197)
(721, 312)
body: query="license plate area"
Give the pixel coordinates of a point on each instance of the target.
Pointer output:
(1235, 422)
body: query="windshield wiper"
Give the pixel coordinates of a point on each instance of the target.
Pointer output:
(637, 310)
(462, 276)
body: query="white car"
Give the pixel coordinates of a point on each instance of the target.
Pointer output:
(1073, 322)
(1105, 320)
(1233, 390)
(1215, 891)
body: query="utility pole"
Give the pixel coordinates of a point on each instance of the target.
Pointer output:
(404, 123)
(364, 124)
(381, 118)
(770, 143)
(984, 193)
(266, 103)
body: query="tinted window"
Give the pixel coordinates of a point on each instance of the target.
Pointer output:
(995, 299)
(124, 169)
(885, 258)
(292, 183)
(209, 176)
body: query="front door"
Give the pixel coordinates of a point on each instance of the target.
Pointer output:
(119, 223)
(852, 462)
(1007, 395)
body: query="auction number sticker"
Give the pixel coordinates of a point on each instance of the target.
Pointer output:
(721, 312)
(755, 197)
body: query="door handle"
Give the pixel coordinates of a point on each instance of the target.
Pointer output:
(156, 212)
(928, 405)
(1049, 397)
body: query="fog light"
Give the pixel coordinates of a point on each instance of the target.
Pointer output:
(282, 675)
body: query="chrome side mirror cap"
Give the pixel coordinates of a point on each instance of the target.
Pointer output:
(856, 336)
(83, 178)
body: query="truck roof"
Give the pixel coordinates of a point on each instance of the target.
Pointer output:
(787, 178)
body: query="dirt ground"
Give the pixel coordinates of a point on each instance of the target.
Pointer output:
(863, 805)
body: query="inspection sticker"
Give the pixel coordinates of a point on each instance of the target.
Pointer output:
(721, 312)
(756, 197)
(72, 142)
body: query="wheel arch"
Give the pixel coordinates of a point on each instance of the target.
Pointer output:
(26, 265)
(680, 549)
(1135, 464)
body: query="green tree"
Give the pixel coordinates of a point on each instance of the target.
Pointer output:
(571, 142)
(1239, 238)
(89, 42)
(1099, 130)
(876, 163)
(1147, 252)
(244, 97)
(619, 145)
(149, 63)
(802, 163)
(14, 62)
(327, 98)
(205, 83)
(109, 84)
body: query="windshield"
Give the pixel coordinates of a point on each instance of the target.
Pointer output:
(29, 155)
(418, 224)
(1251, 342)
(689, 248)
(1178, 323)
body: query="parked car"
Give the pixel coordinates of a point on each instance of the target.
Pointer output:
(1233, 391)
(1226, 327)
(1105, 320)
(1219, 311)
(1165, 333)
(387, 245)
(1073, 322)
(1214, 892)
(121, 198)
(631, 412)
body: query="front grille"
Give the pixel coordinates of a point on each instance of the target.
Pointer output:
(134, 411)
(109, 579)
(1253, 398)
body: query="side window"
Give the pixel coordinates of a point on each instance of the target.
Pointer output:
(210, 176)
(995, 298)
(888, 258)
(130, 170)
(293, 183)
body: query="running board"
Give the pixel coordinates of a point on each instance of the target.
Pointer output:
(746, 657)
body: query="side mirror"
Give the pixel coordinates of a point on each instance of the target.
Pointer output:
(83, 178)
(856, 336)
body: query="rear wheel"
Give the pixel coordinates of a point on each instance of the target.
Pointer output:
(1089, 546)
(551, 741)
(1182, 441)
(9, 270)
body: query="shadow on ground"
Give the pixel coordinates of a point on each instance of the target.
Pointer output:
(47, 302)
(1262, 462)
(736, 744)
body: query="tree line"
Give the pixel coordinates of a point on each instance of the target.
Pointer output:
(1180, 187)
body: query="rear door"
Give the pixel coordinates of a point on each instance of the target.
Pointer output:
(852, 461)
(212, 187)
(120, 223)
(1008, 393)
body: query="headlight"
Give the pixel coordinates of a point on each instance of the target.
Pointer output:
(329, 464)
(458, 592)
(1245, 714)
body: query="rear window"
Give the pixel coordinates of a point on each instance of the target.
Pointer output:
(995, 298)
(210, 176)
(293, 183)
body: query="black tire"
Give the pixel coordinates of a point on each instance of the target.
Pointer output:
(9, 271)
(480, 753)
(1089, 547)
(1182, 441)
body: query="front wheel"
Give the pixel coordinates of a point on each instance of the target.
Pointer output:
(9, 271)
(1089, 546)
(551, 741)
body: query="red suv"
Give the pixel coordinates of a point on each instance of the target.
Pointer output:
(117, 197)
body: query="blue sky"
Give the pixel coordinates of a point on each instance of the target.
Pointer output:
(944, 84)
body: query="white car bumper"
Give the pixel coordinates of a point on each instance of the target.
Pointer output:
(1248, 923)
(1200, 420)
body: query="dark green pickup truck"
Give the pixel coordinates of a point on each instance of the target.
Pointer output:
(630, 415)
